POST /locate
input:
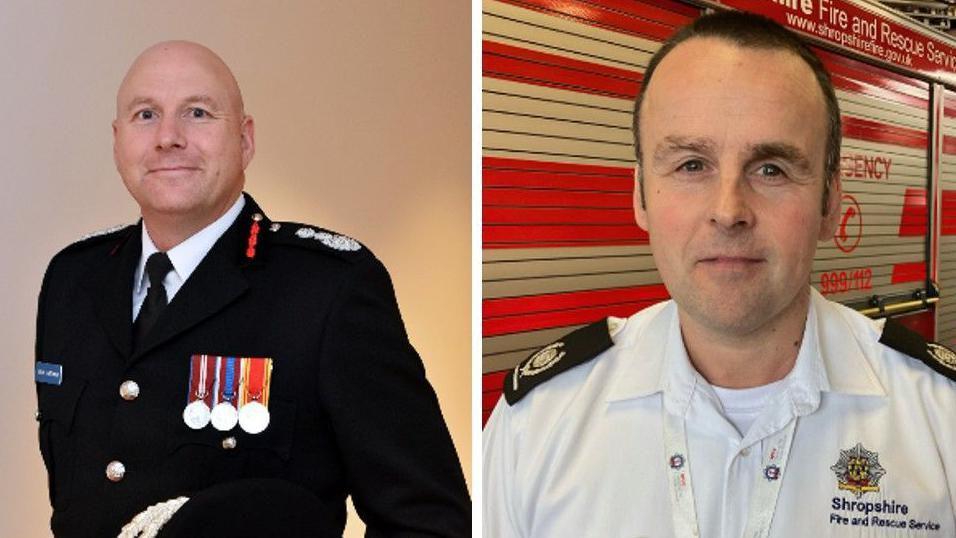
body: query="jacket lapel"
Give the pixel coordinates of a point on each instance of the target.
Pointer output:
(216, 282)
(112, 290)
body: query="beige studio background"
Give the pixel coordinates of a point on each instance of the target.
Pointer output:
(362, 111)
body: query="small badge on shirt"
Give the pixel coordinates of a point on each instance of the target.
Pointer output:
(858, 471)
(48, 373)
(771, 472)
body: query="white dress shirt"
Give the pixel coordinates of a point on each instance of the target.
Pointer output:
(583, 454)
(185, 256)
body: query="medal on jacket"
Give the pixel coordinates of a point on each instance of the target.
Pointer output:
(254, 395)
(224, 414)
(201, 377)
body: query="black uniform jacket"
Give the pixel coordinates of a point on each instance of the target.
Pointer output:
(351, 410)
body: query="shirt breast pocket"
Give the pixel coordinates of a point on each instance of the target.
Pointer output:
(56, 411)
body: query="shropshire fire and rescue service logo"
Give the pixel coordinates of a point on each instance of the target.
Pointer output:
(858, 470)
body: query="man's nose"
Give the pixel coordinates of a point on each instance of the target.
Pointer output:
(170, 134)
(731, 207)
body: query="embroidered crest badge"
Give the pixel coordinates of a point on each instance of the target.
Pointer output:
(858, 470)
(943, 355)
(334, 241)
(547, 357)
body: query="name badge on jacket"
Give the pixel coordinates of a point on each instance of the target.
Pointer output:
(48, 373)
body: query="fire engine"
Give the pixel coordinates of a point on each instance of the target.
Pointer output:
(560, 246)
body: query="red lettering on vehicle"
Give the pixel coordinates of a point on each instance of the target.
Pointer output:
(857, 166)
(850, 232)
(832, 282)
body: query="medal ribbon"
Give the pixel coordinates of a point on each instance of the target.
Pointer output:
(267, 383)
(217, 377)
(258, 375)
(201, 376)
(763, 502)
(230, 381)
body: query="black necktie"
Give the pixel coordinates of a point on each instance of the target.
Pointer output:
(157, 266)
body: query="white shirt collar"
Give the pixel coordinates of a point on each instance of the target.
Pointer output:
(830, 359)
(643, 348)
(187, 255)
(844, 362)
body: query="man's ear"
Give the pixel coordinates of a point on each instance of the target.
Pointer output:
(640, 211)
(248, 143)
(833, 211)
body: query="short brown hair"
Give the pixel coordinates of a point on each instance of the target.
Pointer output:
(748, 30)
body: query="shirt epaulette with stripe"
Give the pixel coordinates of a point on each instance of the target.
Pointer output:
(574, 348)
(313, 237)
(938, 357)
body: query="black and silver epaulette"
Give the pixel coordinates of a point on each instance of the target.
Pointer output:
(313, 237)
(118, 233)
(574, 348)
(938, 357)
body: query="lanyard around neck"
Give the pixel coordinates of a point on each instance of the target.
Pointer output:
(763, 500)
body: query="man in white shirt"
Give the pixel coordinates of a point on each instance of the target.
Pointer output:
(748, 405)
(211, 372)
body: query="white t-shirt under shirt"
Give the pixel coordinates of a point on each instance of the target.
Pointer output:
(742, 406)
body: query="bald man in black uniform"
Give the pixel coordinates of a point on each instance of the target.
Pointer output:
(216, 372)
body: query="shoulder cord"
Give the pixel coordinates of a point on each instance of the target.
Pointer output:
(148, 523)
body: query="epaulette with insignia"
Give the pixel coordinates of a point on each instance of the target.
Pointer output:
(936, 356)
(103, 233)
(114, 232)
(574, 348)
(302, 235)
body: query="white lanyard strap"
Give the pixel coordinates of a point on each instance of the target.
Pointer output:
(678, 473)
(763, 500)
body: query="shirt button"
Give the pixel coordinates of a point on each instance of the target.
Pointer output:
(745, 452)
(38, 415)
(229, 443)
(129, 390)
(115, 471)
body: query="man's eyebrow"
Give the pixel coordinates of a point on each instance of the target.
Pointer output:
(202, 98)
(198, 98)
(674, 143)
(136, 102)
(780, 150)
